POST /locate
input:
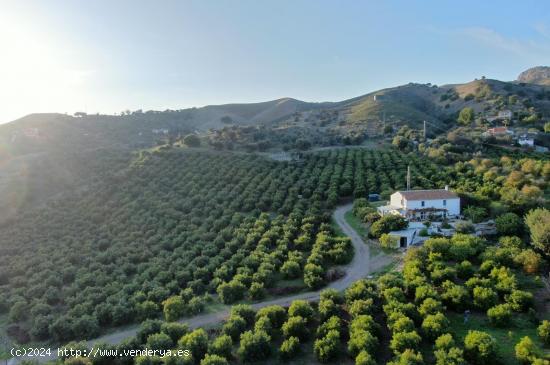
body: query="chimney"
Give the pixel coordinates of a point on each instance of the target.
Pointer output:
(447, 187)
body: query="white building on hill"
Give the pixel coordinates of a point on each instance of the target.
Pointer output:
(419, 205)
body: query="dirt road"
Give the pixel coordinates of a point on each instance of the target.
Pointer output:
(360, 266)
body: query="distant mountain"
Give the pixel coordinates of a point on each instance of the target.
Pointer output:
(56, 148)
(537, 75)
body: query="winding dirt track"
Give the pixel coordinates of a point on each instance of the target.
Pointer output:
(361, 266)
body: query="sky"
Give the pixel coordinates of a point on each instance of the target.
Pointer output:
(109, 56)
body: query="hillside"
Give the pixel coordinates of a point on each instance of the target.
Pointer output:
(536, 75)
(32, 143)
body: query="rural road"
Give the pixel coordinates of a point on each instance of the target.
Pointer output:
(360, 266)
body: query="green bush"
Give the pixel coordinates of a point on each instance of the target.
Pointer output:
(464, 270)
(196, 342)
(159, 341)
(300, 308)
(174, 308)
(364, 358)
(452, 356)
(543, 331)
(296, 326)
(508, 224)
(484, 298)
(387, 224)
(430, 306)
(520, 300)
(444, 342)
(234, 326)
(408, 357)
(212, 359)
(526, 351)
(361, 341)
(327, 348)
(291, 269)
(480, 348)
(275, 313)
(435, 325)
(500, 315)
(254, 346)
(222, 346)
(289, 348)
(404, 340)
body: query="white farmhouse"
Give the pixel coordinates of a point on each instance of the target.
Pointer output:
(419, 205)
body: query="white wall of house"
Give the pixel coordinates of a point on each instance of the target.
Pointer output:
(452, 205)
(396, 199)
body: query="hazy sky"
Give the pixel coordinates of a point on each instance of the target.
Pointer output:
(108, 56)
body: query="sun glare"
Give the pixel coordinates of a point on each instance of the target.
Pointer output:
(38, 72)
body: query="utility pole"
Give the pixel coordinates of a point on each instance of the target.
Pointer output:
(408, 177)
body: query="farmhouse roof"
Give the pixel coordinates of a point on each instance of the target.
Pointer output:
(428, 194)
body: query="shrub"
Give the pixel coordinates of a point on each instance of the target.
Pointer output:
(327, 308)
(327, 348)
(196, 342)
(465, 269)
(245, 311)
(174, 330)
(464, 227)
(192, 140)
(254, 346)
(314, 276)
(480, 347)
(364, 358)
(159, 341)
(361, 341)
(300, 308)
(360, 307)
(296, 326)
(214, 360)
(222, 346)
(289, 348)
(423, 292)
(508, 224)
(430, 306)
(291, 269)
(263, 324)
(389, 241)
(454, 295)
(452, 356)
(174, 308)
(543, 331)
(500, 315)
(387, 224)
(526, 351)
(403, 324)
(333, 323)
(404, 340)
(484, 298)
(408, 357)
(444, 342)
(234, 326)
(538, 221)
(257, 291)
(529, 260)
(361, 289)
(520, 300)
(146, 328)
(231, 292)
(275, 313)
(434, 325)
